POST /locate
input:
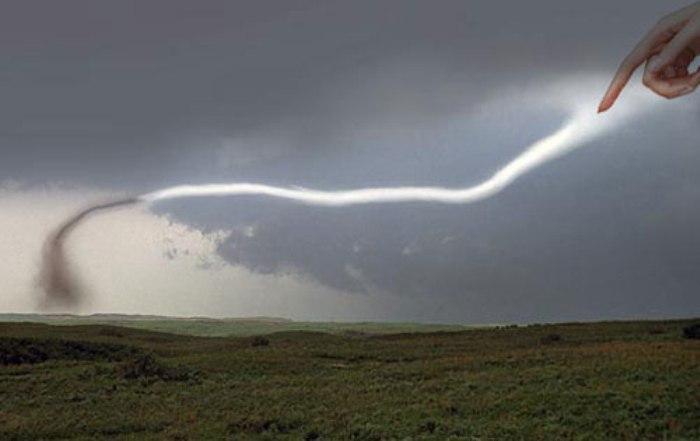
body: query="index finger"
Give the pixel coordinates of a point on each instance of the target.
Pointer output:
(635, 59)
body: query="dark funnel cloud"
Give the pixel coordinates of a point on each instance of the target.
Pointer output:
(57, 277)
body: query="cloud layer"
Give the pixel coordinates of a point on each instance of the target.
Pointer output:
(133, 96)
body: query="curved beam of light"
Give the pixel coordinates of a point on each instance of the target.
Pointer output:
(576, 131)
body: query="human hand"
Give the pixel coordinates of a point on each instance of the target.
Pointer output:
(669, 49)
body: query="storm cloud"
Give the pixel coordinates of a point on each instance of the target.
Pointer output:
(131, 96)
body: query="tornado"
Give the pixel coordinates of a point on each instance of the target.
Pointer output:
(60, 286)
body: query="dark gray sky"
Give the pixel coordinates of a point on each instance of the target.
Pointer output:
(122, 96)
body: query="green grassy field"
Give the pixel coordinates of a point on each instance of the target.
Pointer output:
(617, 380)
(231, 327)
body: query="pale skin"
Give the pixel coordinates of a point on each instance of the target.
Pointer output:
(667, 50)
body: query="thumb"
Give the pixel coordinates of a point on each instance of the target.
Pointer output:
(675, 47)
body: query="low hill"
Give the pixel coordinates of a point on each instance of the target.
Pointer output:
(212, 327)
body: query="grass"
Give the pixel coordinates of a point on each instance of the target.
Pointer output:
(615, 380)
(240, 327)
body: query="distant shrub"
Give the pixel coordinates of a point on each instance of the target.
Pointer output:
(452, 410)
(692, 331)
(656, 330)
(264, 425)
(31, 351)
(259, 340)
(429, 426)
(110, 332)
(351, 333)
(148, 368)
(312, 435)
(367, 432)
(550, 338)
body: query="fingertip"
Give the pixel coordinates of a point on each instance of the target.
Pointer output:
(606, 103)
(602, 106)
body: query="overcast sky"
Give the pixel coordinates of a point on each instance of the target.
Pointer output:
(104, 98)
